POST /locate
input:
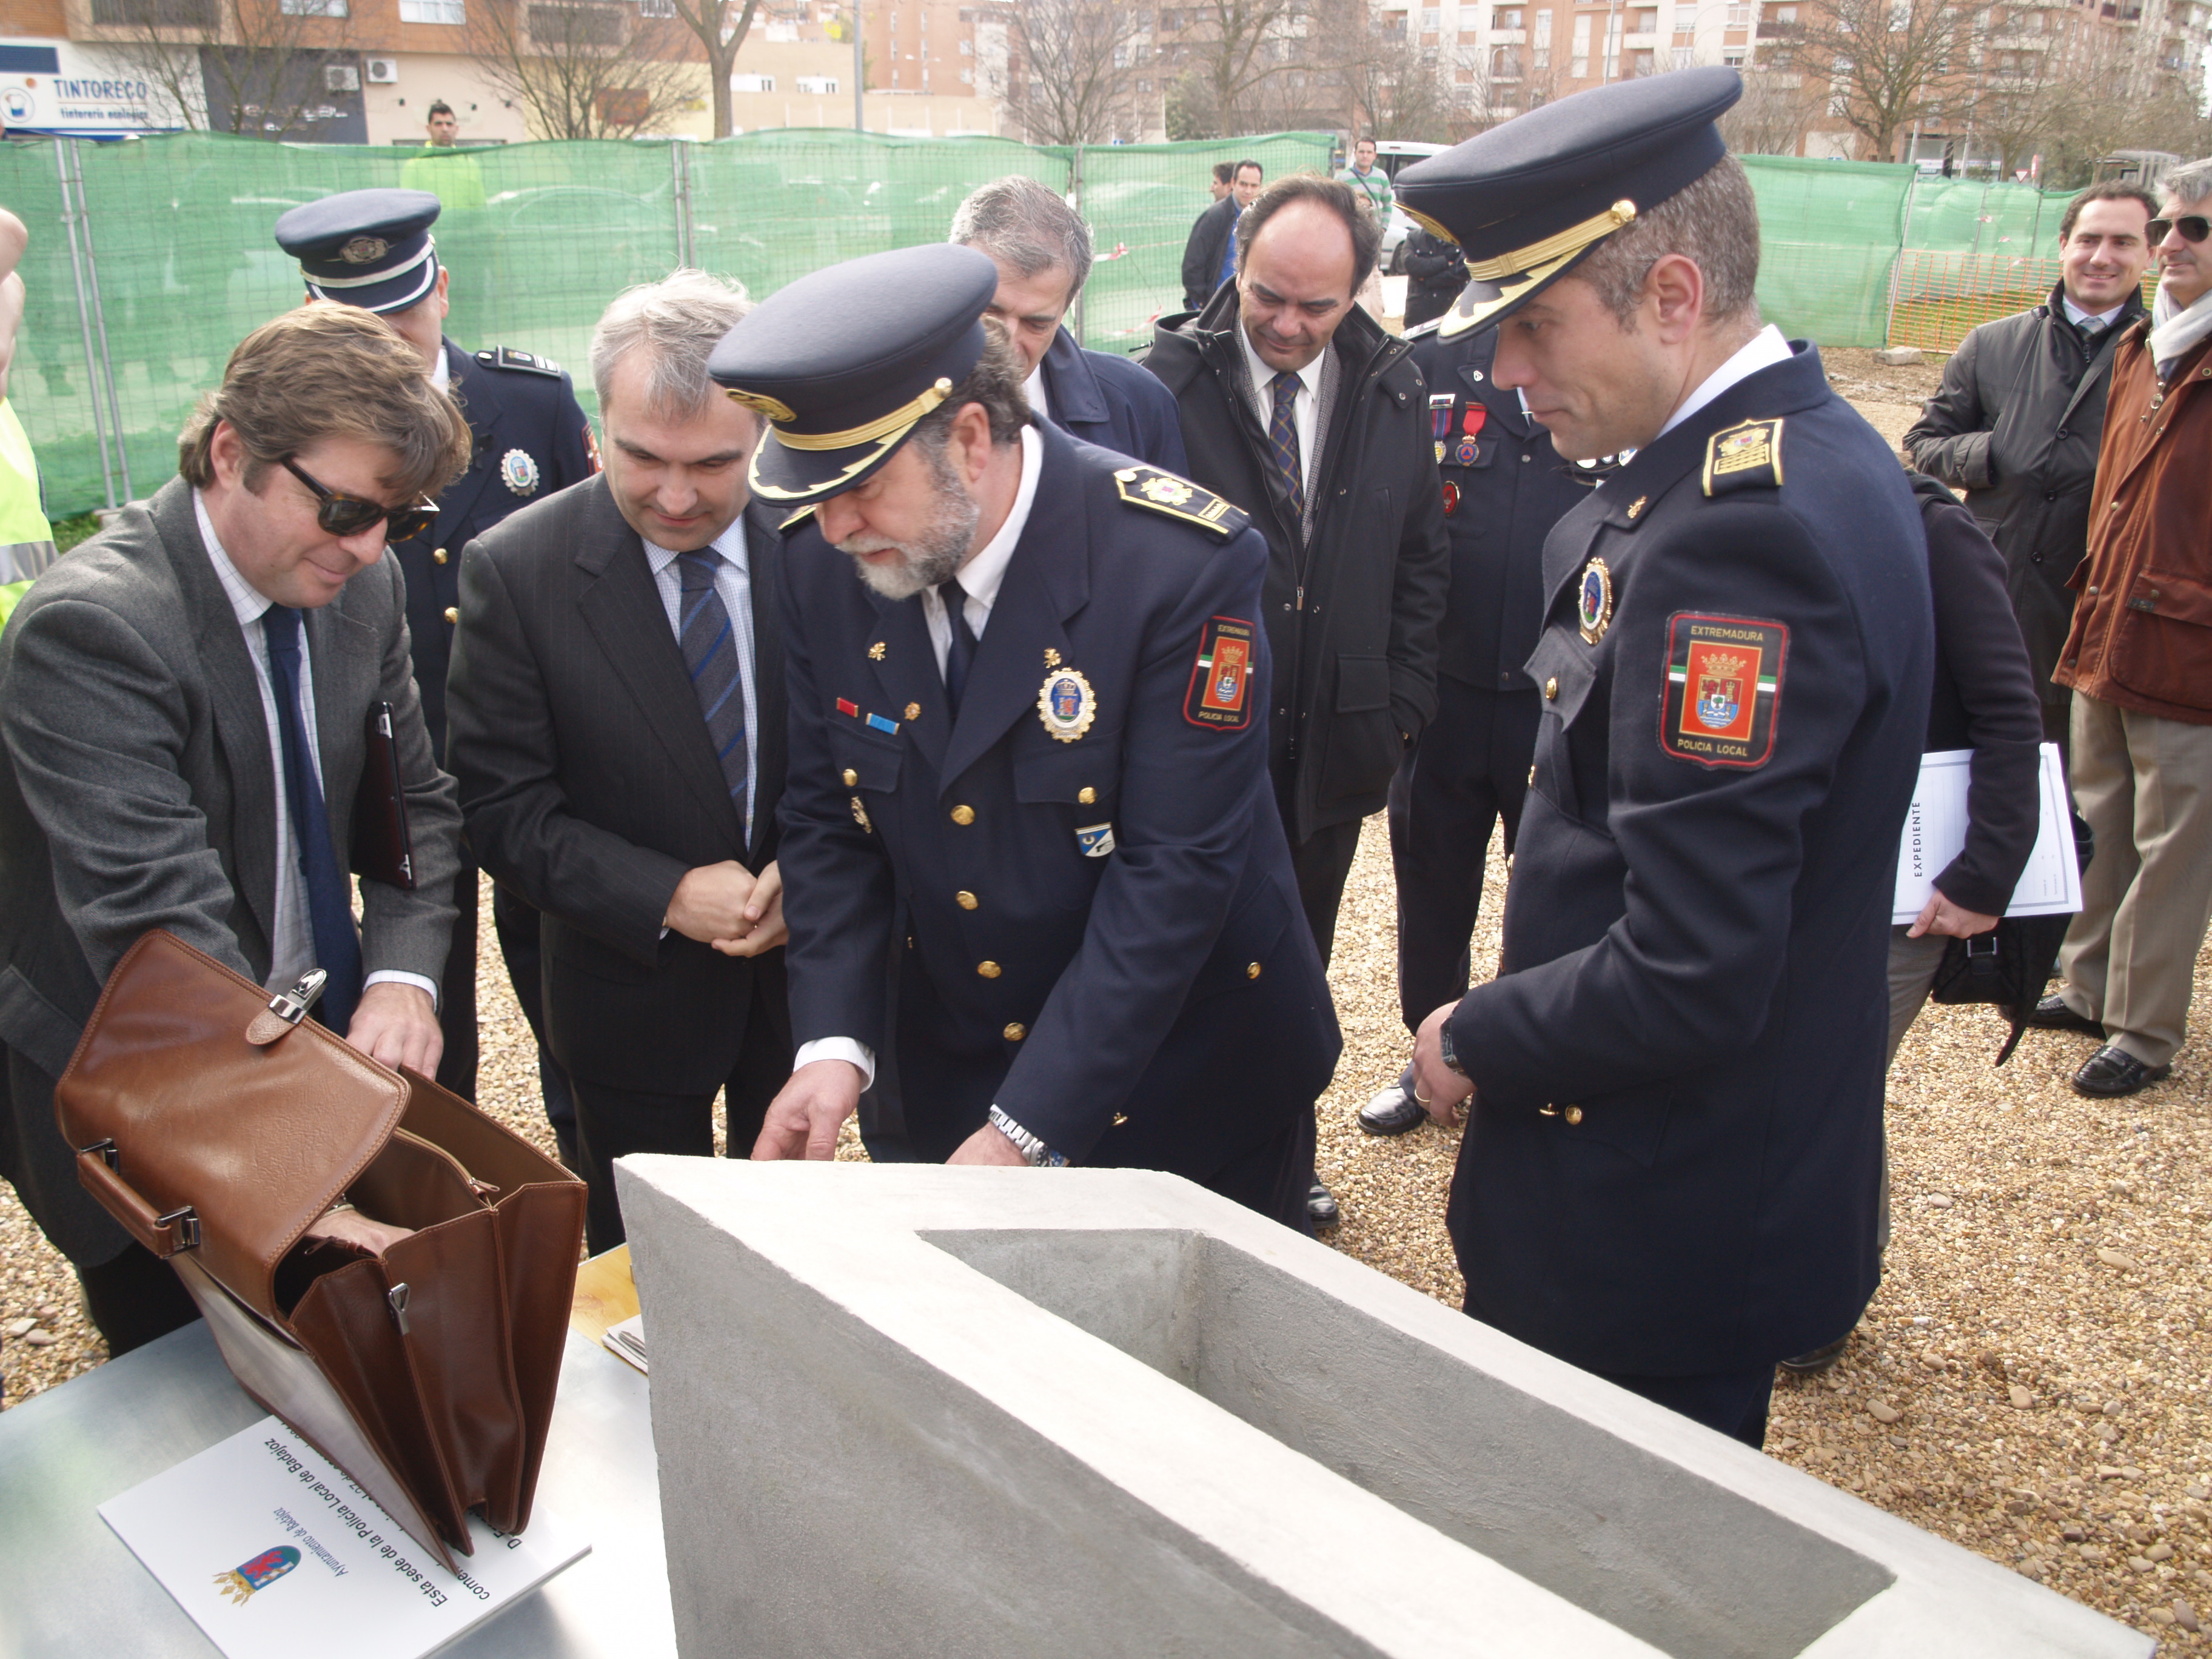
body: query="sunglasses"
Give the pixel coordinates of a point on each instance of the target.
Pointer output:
(349, 515)
(2193, 227)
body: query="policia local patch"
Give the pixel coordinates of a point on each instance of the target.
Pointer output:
(1221, 680)
(1723, 688)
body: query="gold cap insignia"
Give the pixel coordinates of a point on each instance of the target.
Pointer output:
(364, 250)
(761, 404)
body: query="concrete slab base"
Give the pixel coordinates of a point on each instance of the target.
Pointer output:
(910, 1410)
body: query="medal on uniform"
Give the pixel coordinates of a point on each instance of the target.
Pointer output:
(1440, 409)
(1067, 704)
(518, 472)
(1593, 607)
(1095, 840)
(1451, 498)
(1470, 425)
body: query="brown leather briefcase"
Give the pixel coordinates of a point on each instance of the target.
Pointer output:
(217, 1124)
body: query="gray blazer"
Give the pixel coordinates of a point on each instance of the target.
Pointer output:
(137, 791)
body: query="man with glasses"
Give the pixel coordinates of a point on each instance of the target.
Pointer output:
(2139, 661)
(2014, 426)
(184, 704)
(374, 249)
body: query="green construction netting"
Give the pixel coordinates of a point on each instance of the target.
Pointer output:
(539, 237)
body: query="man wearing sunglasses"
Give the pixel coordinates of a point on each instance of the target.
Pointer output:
(2139, 660)
(186, 697)
(375, 249)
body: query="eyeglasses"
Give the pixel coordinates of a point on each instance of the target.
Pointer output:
(2194, 228)
(349, 515)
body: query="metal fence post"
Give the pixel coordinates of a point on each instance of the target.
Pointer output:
(1896, 264)
(678, 156)
(84, 322)
(100, 318)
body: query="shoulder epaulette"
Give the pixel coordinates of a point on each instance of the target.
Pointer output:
(528, 362)
(1745, 456)
(1157, 491)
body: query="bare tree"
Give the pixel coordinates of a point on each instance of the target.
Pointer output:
(1080, 58)
(1388, 85)
(1773, 113)
(720, 26)
(588, 69)
(2025, 98)
(1890, 63)
(255, 68)
(1228, 52)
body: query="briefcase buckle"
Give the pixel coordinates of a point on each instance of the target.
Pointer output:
(186, 1221)
(291, 1007)
(104, 1151)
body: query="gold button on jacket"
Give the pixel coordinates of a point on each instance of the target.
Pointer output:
(963, 815)
(438, 557)
(1251, 970)
(988, 969)
(1016, 1032)
(452, 615)
(1574, 1114)
(1086, 794)
(1551, 688)
(965, 899)
(851, 777)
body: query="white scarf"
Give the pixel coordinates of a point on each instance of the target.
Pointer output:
(2176, 329)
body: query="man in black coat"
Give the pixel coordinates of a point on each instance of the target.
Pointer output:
(373, 248)
(1042, 250)
(1504, 486)
(1024, 679)
(1206, 256)
(1671, 1162)
(618, 725)
(2016, 422)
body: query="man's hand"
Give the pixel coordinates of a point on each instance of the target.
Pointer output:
(803, 1118)
(1939, 915)
(987, 1146)
(709, 902)
(396, 1025)
(1438, 1089)
(763, 913)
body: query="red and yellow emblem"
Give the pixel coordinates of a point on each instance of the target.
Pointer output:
(1220, 693)
(1723, 688)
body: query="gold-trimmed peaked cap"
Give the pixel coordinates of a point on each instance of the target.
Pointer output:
(843, 362)
(1529, 200)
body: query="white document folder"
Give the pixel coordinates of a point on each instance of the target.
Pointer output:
(1936, 831)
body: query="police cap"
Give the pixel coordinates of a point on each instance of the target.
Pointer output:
(370, 248)
(1529, 199)
(844, 361)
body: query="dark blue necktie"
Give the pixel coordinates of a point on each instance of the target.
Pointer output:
(710, 652)
(329, 905)
(1283, 438)
(960, 653)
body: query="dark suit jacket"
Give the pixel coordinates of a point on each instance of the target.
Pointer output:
(1156, 1004)
(1201, 256)
(1112, 402)
(137, 791)
(589, 786)
(1672, 1168)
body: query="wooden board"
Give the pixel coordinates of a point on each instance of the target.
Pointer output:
(605, 1294)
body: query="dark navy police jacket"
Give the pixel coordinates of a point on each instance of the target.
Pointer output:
(1672, 1168)
(1158, 1005)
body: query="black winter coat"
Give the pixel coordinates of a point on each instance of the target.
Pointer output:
(2015, 427)
(1353, 614)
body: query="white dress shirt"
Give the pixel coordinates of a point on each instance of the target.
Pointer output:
(733, 581)
(1763, 350)
(1033, 389)
(981, 576)
(292, 948)
(1305, 408)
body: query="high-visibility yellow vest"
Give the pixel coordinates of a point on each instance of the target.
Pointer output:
(27, 540)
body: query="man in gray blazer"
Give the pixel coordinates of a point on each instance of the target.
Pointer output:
(183, 705)
(617, 713)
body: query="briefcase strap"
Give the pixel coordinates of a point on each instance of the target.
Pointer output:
(163, 1234)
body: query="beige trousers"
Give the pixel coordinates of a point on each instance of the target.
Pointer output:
(2144, 783)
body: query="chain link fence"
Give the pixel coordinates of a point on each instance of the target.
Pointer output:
(150, 259)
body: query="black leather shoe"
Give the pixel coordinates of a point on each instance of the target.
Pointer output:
(2051, 1014)
(2113, 1071)
(1818, 1361)
(1320, 1208)
(1393, 1112)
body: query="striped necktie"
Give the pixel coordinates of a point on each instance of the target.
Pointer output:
(1283, 438)
(710, 653)
(329, 901)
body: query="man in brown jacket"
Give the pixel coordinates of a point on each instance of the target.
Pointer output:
(2139, 657)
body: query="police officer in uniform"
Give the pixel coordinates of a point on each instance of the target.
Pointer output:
(1504, 486)
(1026, 680)
(1674, 1139)
(374, 248)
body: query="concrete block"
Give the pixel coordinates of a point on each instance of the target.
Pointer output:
(908, 1410)
(1898, 356)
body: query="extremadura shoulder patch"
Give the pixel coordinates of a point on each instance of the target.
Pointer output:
(1723, 693)
(1220, 694)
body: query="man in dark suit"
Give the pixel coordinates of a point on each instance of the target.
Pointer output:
(374, 249)
(618, 733)
(185, 701)
(1042, 250)
(1210, 255)
(1670, 1168)
(1025, 683)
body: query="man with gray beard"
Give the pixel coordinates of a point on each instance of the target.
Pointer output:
(1027, 764)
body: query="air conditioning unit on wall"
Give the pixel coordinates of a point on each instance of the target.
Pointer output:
(341, 77)
(384, 72)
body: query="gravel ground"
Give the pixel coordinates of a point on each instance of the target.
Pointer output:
(2028, 1383)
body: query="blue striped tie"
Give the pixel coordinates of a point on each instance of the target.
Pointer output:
(710, 652)
(330, 904)
(1283, 440)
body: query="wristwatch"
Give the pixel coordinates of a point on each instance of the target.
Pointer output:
(1444, 1045)
(1039, 1155)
